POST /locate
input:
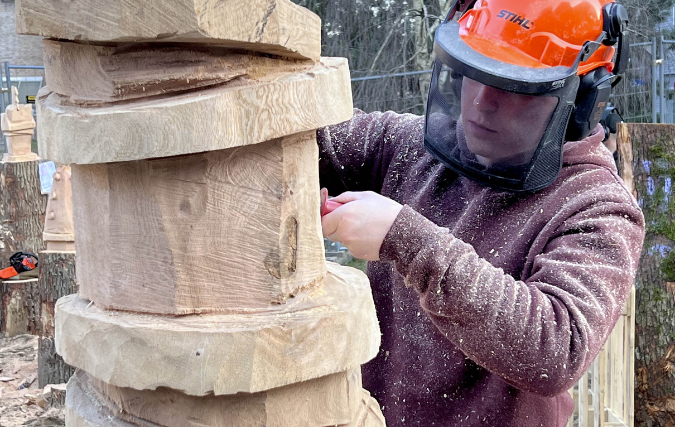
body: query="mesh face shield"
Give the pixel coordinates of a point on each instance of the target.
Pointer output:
(499, 124)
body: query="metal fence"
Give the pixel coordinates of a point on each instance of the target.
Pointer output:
(400, 92)
(646, 93)
(27, 78)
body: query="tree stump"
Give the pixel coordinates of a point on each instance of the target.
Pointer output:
(22, 209)
(57, 279)
(20, 307)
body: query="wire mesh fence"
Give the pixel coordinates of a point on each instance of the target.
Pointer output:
(645, 94)
(402, 92)
(637, 95)
(632, 96)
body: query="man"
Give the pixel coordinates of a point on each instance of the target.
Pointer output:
(502, 255)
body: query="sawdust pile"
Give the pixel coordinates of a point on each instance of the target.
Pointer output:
(24, 406)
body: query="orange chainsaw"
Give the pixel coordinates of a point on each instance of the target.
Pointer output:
(20, 262)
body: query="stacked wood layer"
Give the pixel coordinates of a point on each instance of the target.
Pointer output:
(244, 112)
(327, 329)
(277, 27)
(219, 231)
(334, 400)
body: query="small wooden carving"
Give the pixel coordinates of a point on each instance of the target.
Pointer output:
(59, 234)
(17, 124)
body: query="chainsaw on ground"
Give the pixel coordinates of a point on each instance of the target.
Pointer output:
(20, 262)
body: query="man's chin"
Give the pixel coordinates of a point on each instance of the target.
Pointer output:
(489, 159)
(482, 154)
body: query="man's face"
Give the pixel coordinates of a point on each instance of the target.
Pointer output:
(503, 127)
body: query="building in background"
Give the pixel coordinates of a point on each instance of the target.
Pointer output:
(18, 50)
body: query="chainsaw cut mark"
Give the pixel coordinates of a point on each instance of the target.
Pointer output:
(281, 262)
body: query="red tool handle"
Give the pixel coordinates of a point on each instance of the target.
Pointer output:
(327, 205)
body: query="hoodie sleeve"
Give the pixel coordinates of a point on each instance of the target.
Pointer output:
(356, 154)
(542, 332)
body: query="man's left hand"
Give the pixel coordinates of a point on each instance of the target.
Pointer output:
(361, 223)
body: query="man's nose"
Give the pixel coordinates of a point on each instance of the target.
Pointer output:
(487, 98)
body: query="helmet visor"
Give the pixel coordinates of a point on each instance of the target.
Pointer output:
(501, 138)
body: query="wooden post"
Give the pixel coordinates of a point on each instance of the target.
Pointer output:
(22, 209)
(57, 275)
(647, 160)
(204, 296)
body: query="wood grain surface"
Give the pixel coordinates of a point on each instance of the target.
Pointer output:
(22, 209)
(92, 75)
(327, 401)
(57, 279)
(329, 329)
(223, 231)
(277, 27)
(216, 118)
(87, 407)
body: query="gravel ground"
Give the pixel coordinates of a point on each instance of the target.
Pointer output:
(18, 362)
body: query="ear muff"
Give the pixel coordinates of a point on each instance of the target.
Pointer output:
(607, 132)
(591, 100)
(595, 86)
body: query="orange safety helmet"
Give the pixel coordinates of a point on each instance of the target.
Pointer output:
(537, 34)
(569, 49)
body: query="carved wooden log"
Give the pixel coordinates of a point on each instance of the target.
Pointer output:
(324, 330)
(231, 115)
(125, 72)
(225, 230)
(196, 205)
(333, 400)
(325, 401)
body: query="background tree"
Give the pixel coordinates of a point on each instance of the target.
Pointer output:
(382, 37)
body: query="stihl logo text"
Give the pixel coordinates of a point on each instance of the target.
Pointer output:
(516, 19)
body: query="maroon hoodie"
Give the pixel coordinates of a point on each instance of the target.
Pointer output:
(491, 304)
